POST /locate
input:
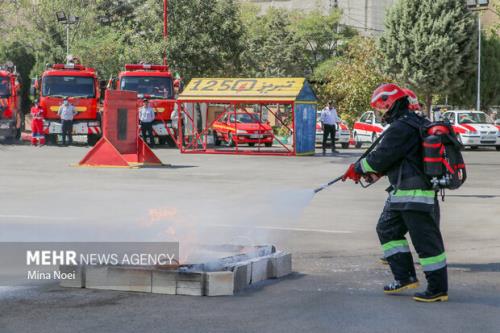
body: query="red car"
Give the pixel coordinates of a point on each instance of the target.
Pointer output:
(242, 128)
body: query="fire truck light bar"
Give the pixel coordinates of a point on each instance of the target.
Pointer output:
(135, 67)
(68, 66)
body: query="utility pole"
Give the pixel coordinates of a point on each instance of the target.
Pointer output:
(478, 101)
(67, 20)
(478, 5)
(165, 29)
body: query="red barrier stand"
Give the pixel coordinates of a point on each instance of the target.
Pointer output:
(120, 145)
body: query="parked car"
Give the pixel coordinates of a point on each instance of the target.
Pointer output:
(474, 128)
(368, 128)
(242, 127)
(342, 134)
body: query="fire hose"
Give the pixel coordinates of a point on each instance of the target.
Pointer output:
(336, 180)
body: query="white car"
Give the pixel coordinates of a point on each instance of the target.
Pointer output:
(474, 128)
(342, 134)
(368, 128)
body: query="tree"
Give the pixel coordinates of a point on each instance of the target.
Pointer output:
(351, 78)
(290, 43)
(322, 36)
(429, 44)
(205, 37)
(272, 47)
(490, 80)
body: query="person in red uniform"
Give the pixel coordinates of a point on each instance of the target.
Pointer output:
(37, 115)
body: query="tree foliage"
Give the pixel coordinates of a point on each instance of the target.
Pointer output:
(429, 44)
(490, 83)
(272, 49)
(290, 43)
(351, 79)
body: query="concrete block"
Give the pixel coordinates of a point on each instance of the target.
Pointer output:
(190, 276)
(281, 265)
(164, 282)
(79, 276)
(191, 284)
(219, 283)
(242, 275)
(260, 270)
(189, 291)
(119, 278)
(96, 277)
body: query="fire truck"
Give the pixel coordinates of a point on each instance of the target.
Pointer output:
(81, 86)
(153, 82)
(10, 111)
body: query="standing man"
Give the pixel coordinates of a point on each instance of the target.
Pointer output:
(67, 113)
(329, 120)
(37, 115)
(412, 205)
(146, 118)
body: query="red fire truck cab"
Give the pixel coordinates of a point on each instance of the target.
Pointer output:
(81, 86)
(155, 83)
(10, 113)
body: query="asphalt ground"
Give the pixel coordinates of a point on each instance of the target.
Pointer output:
(337, 281)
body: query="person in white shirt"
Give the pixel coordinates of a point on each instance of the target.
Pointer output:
(329, 120)
(67, 112)
(146, 118)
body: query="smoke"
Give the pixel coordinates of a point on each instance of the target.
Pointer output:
(246, 219)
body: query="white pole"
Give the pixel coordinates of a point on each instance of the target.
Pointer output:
(478, 104)
(67, 40)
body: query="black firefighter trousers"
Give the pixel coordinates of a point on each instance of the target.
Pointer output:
(426, 238)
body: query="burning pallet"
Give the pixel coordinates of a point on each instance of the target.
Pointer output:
(219, 277)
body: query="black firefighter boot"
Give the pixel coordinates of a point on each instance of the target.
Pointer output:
(429, 297)
(404, 273)
(437, 288)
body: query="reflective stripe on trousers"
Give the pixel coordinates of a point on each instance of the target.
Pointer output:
(433, 263)
(395, 246)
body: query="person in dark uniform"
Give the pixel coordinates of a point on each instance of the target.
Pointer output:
(412, 205)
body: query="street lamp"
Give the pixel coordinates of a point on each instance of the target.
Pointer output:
(165, 28)
(67, 20)
(477, 5)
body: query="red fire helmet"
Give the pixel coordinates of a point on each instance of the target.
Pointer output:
(413, 99)
(384, 97)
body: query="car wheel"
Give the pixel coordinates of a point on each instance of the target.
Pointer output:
(216, 139)
(162, 140)
(497, 148)
(345, 145)
(51, 139)
(92, 139)
(358, 143)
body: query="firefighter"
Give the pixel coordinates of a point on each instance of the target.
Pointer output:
(37, 115)
(412, 205)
